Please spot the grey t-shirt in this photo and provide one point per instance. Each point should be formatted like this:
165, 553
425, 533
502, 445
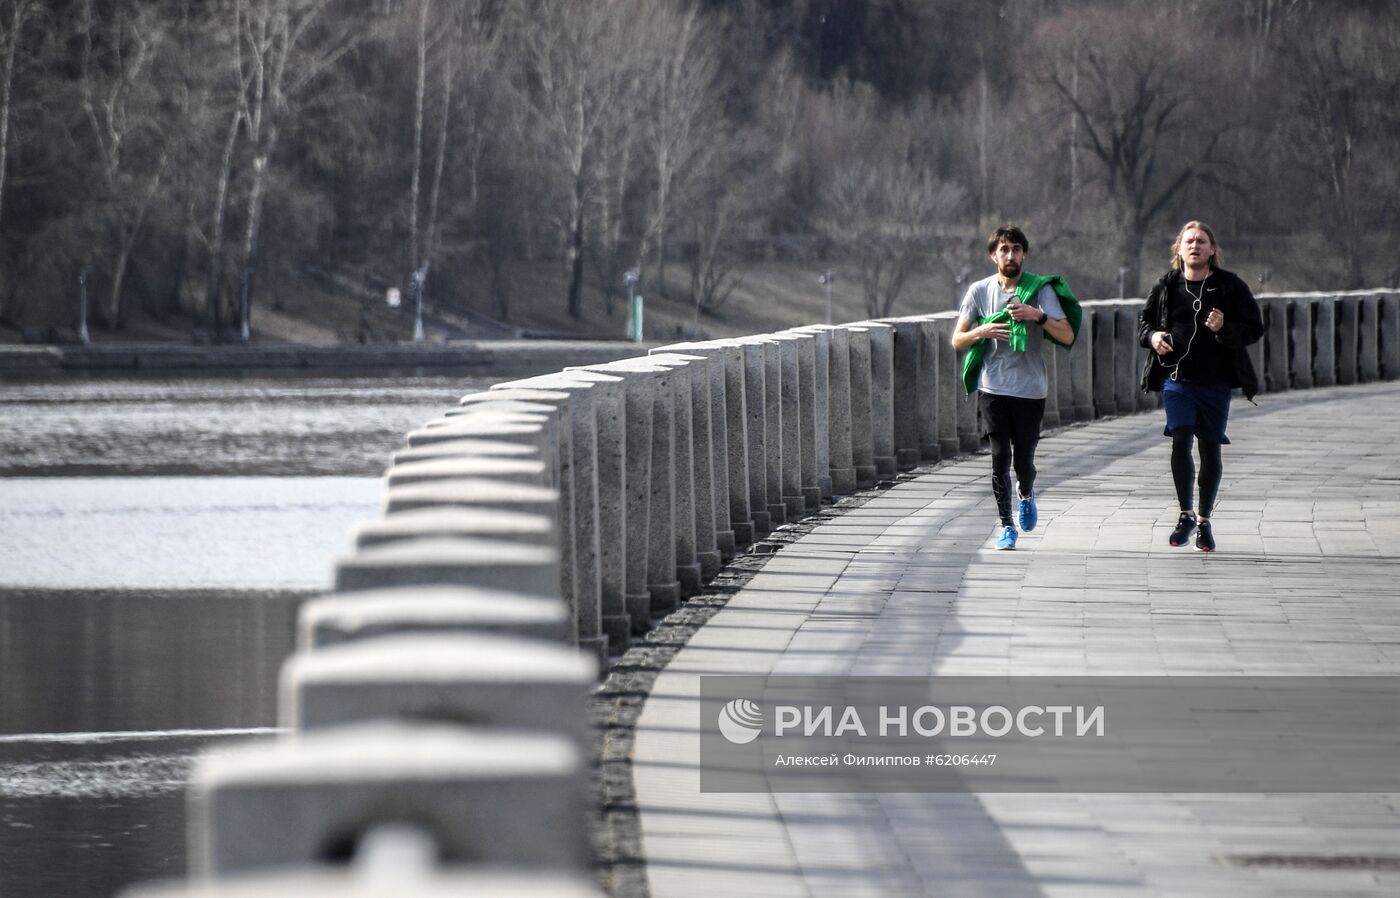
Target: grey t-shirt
1005, 371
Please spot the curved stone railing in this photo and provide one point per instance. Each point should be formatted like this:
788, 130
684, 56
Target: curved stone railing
436, 703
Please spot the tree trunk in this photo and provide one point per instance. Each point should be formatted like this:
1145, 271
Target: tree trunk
419, 98
216, 242
11, 48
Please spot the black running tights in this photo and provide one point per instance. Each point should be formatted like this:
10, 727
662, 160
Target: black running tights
1184, 471
1003, 458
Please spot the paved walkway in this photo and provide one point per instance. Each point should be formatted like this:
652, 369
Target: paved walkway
908, 584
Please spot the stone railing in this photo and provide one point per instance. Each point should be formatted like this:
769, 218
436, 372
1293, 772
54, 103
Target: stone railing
436, 705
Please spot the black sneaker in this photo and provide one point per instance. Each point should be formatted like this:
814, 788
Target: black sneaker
1205, 542
1184, 525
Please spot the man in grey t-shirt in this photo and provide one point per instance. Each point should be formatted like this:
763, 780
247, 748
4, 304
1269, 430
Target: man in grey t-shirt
1011, 385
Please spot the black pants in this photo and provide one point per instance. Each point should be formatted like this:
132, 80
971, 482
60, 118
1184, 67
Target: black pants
1012, 425
1184, 470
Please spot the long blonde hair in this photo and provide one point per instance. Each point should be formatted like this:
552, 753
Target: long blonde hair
1217, 254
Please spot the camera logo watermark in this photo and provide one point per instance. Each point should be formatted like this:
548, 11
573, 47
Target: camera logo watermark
741, 721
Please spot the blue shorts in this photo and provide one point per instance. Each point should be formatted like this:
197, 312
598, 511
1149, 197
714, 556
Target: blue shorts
1205, 407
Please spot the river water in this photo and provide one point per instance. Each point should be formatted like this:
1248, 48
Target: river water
156, 538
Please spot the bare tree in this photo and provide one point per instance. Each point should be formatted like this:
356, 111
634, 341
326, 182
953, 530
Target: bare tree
682, 111
1120, 75
1341, 127
287, 45
118, 100
13, 15
573, 55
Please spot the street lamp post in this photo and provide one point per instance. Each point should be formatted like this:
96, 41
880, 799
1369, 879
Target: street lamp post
418, 306
83, 308
634, 305
826, 279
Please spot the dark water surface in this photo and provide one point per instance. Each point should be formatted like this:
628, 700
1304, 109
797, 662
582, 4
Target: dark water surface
156, 538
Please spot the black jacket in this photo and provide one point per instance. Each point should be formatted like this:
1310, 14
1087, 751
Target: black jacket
1243, 326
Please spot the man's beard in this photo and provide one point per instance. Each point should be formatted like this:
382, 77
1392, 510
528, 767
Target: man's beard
1009, 270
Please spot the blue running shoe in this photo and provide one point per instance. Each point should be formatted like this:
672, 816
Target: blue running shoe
1007, 540
1029, 515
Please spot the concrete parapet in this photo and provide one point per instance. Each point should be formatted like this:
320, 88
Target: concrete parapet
509, 521
711, 513
487, 563
1081, 371
862, 424
1105, 350
353, 616
491, 798
468, 679
928, 405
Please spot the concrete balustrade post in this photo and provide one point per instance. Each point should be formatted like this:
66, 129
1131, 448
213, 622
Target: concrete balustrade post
477, 448
790, 397
1081, 370
511, 470
506, 514
736, 442
685, 497
1348, 322
609, 403
1368, 361
354, 616
756, 433
928, 404
717, 441
882, 397
413, 880
495, 798
948, 383
773, 428
1051, 417
469, 679
1275, 344
821, 405
1324, 340
1064, 380
1389, 314
838, 411
641, 378
485, 563
862, 427
808, 417
905, 398
579, 493
1300, 342
1128, 356
1105, 358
